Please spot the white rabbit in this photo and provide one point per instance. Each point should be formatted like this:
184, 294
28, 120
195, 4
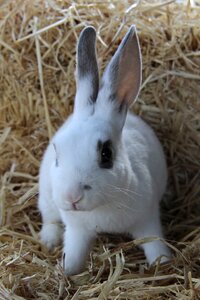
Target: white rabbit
104, 170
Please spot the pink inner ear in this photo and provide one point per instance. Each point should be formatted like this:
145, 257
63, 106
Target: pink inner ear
129, 72
125, 91
128, 83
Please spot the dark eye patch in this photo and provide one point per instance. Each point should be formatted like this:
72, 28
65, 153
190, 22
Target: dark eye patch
87, 187
105, 154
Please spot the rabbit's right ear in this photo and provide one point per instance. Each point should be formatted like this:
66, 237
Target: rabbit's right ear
87, 75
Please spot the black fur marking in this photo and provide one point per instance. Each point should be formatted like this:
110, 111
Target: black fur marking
87, 187
120, 107
105, 154
123, 108
112, 97
87, 62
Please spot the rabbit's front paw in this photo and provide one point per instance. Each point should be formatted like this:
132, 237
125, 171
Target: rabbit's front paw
72, 266
51, 235
155, 250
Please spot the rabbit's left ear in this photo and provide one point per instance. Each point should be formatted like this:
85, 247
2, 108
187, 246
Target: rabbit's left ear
122, 76
121, 81
87, 76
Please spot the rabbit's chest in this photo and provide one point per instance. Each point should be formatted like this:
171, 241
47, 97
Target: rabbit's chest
104, 220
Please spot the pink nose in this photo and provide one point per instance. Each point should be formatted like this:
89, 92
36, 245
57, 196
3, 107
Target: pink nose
75, 196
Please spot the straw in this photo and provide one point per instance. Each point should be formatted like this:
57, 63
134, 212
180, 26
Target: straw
37, 87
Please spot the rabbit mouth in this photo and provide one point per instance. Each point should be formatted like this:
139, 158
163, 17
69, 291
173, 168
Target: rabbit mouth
74, 206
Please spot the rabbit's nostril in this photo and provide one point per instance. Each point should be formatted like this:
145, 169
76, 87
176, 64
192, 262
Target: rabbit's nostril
74, 201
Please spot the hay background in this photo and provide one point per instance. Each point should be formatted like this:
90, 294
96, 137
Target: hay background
34, 104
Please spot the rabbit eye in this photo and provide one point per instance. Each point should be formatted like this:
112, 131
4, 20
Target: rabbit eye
105, 154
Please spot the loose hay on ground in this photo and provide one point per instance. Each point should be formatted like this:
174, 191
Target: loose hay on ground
37, 59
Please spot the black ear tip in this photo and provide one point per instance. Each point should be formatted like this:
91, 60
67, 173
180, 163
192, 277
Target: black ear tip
133, 28
88, 31
132, 31
87, 37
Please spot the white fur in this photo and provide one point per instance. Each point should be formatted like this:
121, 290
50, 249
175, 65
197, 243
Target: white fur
123, 199
81, 108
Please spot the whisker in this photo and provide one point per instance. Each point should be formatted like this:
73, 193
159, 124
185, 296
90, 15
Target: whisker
118, 204
124, 190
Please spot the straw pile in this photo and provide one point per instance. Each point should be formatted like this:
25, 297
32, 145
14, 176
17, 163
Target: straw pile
37, 59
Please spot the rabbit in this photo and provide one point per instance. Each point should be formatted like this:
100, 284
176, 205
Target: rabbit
104, 170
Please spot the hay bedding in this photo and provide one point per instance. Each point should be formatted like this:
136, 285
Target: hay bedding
37, 52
